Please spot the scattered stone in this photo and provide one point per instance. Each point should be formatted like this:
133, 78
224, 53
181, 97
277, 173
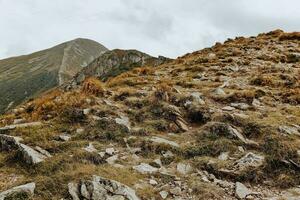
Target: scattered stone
64, 137
197, 97
90, 148
164, 141
176, 191
110, 151
101, 188
26, 191
183, 168
87, 111
153, 182
123, 121
223, 156
79, 130
19, 121
145, 168
24, 125
218, 92
250, 160
241, 191
228, 108
289, 130
163, 194
241, 106
30, 155
241, 149
111, 160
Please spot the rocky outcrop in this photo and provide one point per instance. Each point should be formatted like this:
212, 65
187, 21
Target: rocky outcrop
20, 192
100, 188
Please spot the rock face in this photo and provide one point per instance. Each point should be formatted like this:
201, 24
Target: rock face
27, 76
115, 62
100, 188
20, 192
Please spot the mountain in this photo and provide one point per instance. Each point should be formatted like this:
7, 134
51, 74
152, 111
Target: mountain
219, 123
115, 62
27, 76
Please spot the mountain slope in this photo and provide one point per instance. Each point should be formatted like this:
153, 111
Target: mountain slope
115, 62
26, 76
219, 123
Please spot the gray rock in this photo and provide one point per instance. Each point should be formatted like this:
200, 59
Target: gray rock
223, 156
145, 168
218, 92
197, 97
64, 137
111, 160
123, 121
90, 148
289, 130
176, 191
27, 189
228, 108
250, 160
241, 106
8, 142
24, 125
30, 155
163, 194
73, 191
110, 151
159, 140
19, 121
241, 191
183, 168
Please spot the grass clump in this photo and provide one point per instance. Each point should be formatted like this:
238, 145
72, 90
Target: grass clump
93, 86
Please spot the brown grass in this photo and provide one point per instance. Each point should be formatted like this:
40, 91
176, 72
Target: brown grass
93, 86
290, 36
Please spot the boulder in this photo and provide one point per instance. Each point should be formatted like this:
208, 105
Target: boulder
159, 140
100, 188
30, 156
241, 191
24, 125
184, 168
8, 142
249, 160
20, 192
123, 121
145, 168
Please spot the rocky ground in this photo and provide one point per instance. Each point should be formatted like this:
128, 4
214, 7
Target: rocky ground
220, 123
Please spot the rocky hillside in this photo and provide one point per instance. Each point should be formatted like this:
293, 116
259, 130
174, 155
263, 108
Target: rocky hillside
27, 76
115, 62
219, 123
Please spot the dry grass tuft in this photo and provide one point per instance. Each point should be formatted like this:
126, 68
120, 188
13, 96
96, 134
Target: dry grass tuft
290, 36
93, 86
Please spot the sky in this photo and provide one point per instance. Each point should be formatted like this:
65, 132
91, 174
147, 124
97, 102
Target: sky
158, 27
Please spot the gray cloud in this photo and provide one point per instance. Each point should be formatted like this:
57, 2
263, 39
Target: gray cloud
158, 27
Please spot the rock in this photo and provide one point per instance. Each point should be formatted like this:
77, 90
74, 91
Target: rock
218, 92
174, 114
197, 97
43, 151
110, 151
256, 103
24, 125
289, 130
250, 160
8, 142
223, 156
79, 130
73, 191
176, 191
111, 160
241, 149
241, 106
159, 140
26, 191
182, 124
163, 194
159, 163
153, 182
241, 191
64, 137
145, 168
101, 188
30, 155
90, 148
183, 168
228, 108
87, 111
123, 121
19, 121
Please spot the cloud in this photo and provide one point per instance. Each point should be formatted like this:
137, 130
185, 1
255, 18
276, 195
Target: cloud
157, 27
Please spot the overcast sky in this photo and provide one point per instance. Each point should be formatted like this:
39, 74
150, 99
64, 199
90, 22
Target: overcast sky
158, 27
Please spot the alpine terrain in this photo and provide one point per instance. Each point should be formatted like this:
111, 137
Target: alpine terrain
221, 123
